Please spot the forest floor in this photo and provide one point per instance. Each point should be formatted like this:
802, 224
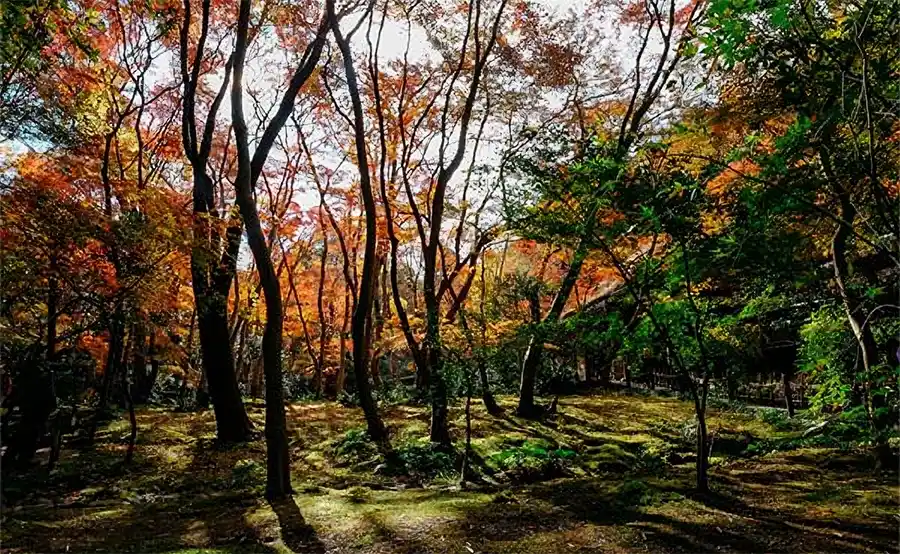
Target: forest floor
183, 494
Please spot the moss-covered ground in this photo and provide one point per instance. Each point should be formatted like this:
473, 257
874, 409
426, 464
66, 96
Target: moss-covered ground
627, 486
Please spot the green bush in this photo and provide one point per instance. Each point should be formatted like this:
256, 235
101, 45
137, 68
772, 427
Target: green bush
654, 455
533, 461
359, 495
354, 447
687, 432
827, 355
636, 493
425, 460
776, 418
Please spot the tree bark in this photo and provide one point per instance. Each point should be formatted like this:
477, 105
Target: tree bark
702, 451
278, 476
232, 423
867, 348
358, 327
213, 265
532, 361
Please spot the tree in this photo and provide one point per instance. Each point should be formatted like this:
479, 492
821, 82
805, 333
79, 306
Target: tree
214, 253
841, 146
676, 33
278, 478
360, 329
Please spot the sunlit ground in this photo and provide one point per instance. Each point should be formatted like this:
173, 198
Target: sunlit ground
183, 494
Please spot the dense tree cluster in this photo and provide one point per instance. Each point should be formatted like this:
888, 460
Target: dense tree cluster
205, 201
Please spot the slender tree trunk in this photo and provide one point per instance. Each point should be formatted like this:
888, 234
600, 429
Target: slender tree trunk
56, 432
113, 360
278, 476
342, 364
440, 433
702, 451
467, 453
323, 324
361, 316
132, 437
867, 347
532, 360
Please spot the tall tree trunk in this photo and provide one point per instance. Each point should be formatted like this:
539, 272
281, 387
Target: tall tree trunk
278, 475
342, 364
702, 451
359, 324
323, 324
467, 453
378, 318
56, 431
440, 432
232, 423
213, 265
132, 418
113, 363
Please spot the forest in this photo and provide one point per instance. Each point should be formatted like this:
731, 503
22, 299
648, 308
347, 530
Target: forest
434, 276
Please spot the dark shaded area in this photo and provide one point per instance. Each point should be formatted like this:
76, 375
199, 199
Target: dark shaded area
297, 535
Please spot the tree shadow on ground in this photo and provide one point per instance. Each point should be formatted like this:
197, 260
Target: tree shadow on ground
667, 516
296, 533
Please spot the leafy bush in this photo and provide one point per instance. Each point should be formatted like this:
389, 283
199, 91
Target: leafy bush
532, 461
299, 387
636, 493
776, 418
687, 432
846, 431
827, 355
390, 394
354, 446
725, 405
358, 495
424, 460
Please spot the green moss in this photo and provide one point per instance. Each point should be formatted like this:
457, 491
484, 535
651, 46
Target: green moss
624, 486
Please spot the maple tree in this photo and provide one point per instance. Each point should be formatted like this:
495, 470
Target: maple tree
442, 200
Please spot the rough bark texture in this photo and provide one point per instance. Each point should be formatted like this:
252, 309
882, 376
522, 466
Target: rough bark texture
702, 451
232, 423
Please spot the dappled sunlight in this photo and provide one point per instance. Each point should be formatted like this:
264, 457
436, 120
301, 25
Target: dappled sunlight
186, 492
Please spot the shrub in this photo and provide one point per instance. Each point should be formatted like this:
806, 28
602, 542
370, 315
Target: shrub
354, 446
687, 432
425, 460
358, 495
532, 462
775, 417
638, 493
654, 455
